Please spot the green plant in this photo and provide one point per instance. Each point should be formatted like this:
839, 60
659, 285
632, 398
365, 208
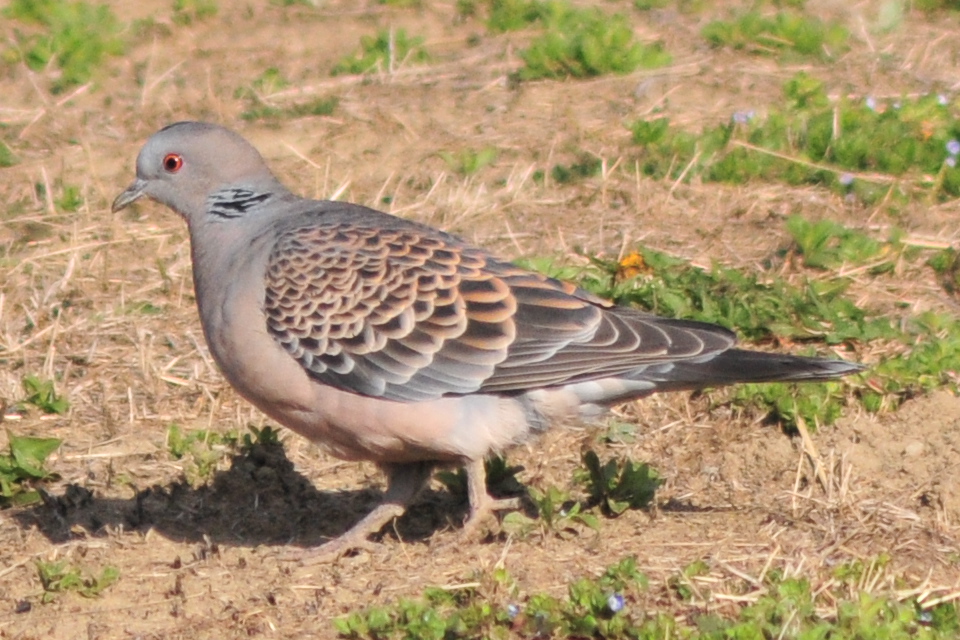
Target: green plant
586, 166
266, 437
682, 583
190, 11
813, 140
76, 36
58, 577
383, 52
43, 395
469, 161
616, 606
829, 245
7, 157
946, 263
511, 15
618, 485
594, 607
23, 465
272, 81
785, 31
203, 450
583, 42
501, 479
559, 515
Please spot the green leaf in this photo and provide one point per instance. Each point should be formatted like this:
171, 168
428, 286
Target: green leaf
31, 453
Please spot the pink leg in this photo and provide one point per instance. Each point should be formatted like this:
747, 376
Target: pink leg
404, 482
482, 505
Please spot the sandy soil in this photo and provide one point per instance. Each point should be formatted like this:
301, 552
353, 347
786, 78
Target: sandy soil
104, 304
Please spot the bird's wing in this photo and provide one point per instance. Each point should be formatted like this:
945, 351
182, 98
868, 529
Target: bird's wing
407, 314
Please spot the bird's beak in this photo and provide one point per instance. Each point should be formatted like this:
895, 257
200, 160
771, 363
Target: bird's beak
132, 193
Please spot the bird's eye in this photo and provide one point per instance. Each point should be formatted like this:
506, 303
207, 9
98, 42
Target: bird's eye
172, 162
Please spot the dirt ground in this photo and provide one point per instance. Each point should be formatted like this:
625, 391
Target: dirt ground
103, 303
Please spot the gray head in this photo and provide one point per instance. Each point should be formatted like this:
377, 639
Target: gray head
183, 164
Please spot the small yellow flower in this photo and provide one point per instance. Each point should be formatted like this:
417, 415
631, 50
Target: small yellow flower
630, 266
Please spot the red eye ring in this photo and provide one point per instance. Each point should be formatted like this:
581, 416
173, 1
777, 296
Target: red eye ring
172, 162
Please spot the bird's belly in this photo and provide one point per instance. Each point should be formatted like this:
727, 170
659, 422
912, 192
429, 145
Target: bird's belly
356, 427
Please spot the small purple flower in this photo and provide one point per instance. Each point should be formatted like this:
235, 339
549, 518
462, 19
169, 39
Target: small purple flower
846, 179
512, 611
953, 147
871, 103
743, 117
942, 100
615, 602
951, 161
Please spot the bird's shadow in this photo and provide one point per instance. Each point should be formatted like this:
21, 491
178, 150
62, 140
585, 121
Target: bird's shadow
260, 500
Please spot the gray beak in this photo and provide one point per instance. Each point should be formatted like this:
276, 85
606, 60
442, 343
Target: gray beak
130, 194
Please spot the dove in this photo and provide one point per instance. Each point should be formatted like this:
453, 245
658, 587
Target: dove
382, 339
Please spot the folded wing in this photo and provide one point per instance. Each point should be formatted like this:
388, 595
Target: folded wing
409, 315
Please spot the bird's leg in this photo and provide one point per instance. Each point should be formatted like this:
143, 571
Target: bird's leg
404, 482
482, 504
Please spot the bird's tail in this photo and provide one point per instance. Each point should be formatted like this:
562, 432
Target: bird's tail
727, 367
740, 365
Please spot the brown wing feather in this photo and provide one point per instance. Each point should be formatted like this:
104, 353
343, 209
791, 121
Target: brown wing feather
405, 315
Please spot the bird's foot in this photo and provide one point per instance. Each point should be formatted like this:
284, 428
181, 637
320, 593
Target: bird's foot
355, 539
328, 552
483, 519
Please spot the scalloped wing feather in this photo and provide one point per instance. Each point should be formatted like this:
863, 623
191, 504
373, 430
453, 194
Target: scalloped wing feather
407, 315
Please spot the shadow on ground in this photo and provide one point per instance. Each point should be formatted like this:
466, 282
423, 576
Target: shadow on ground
260, 500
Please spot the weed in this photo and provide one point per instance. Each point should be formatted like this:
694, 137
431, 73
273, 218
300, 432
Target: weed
202, 450
576, 42
618, 485
43, 395
511, 15
618, 432
614, 606
758, 308
7, 157
318, 107
597, 607
189, 11
783, 32
272, 81
469, 161
23, 465
501, 479
583, 42
946, 264
58, 577
76, 36
559, 515
69, 200
266, 437
586, 166
814, 141
830, 245
682, 584
936, 5
384, 52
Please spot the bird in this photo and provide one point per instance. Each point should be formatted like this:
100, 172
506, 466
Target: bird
387, 340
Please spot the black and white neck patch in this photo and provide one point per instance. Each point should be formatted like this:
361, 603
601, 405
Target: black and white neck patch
233, 203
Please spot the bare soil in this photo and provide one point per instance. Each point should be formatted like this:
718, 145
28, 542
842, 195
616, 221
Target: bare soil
103, 303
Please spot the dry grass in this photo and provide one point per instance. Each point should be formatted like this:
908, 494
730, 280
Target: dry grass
200, 561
